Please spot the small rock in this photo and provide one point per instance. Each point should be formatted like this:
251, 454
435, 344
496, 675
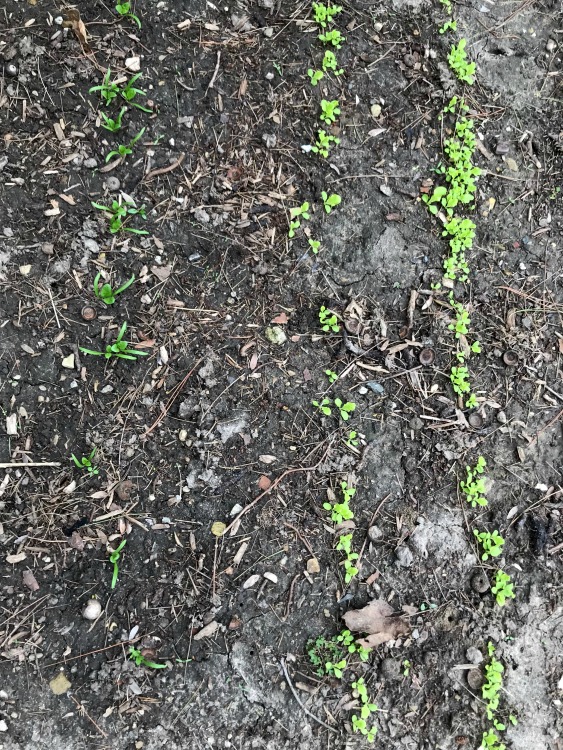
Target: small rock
207, 631
475, 679
375, 533
502, 148
416, 424
511, 164
276, 335
480, 582
124, 490
30, 580
3, 726
133, 64
236, 509
375, 110
90, 163
270, 139
474, 656
252, 581
12, 425
183, 436
375, 387
386, 190
59, 684
68, 362
92, 610
404, 557
271, 576
113, 184
551, 44
47, 248
268, 31
25, 270
201, 215
390, 669
501, 417
107, 389
313, 566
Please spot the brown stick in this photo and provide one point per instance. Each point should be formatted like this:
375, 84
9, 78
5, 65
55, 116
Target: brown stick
164, 170
171, 400
23, 464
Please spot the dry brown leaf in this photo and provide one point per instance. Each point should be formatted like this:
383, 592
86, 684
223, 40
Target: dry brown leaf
30, 581
377, 620
281, 318
76, 541
253, 361
77, 25
161, 272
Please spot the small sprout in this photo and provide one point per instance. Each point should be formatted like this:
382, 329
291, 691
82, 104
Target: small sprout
314, 245
448, 25
124, 10
330, 201
406, 667
119, 349
345, 409
86, 462
458, 62
324, 142
492, 543
108, 91
331, 375
324, 14
323, 406
473, 486
503, 588
476, 347
124, 150
329, 110
330, 63
118, 213
137, 656
114, 559
296, 214
333, 37
129, 92
359, 723
336, 669
491, 741
315, 76
342, 511
447, 5
106, 293
352, 440
110, 124
328, 320
492, 686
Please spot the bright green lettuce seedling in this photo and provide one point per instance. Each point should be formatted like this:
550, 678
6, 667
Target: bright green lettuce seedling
86, 462
136, 656
330, 201
124, 10
323, 406
324, 142
329, 110
118, 213
459, 377
503, 588
324, 14
342, 511
359, 723
493, 683
328, 320
491, 741
315, 76
462, 321
447, 5
352, 439
492, 543
457, 59
330, 63
114, 559
124, 150
473, 486
296, 214
331, 375
110, 124
108, 90
106, 293
119, 349
345, 408
333, 37
314, 245
447, 26
345, 545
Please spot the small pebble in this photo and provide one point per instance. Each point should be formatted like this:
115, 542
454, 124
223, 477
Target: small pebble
313, 566
501, 417
252, 581
502, 148
550, 45
475, 679
92, 610
474, 656
90, 163
404, 557
112, 183
183, 436
271, 576
3, 726
375, 533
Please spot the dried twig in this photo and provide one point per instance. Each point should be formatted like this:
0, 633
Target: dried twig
164, 170
171, 400
298, 699
27, 464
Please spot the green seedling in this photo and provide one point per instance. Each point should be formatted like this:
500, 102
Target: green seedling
324, 142
462, 321
333, 37
345, 545
136, 656
493, 684
328, 654
323, 406
114, 557
406, 667
330, 201
476, 347
324, 14
329, 110
503, 588
352, 439
108, 90
330, 63
124, 10
447, 26
86, 462
124, 150
129, 92
491, 741
336, 669
434, 200
315, 245
473, 486
342, 511
119, 212
328, 320
447, 5
471, 402
350, 570
345, 408
331, 375
119, 349
346, 639
106, 293
492, 543
296, 214
359, 723
458, 62
110, 124
459, 377
315, 76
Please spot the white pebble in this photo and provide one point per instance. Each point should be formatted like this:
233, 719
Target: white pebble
271, 576
250, 582
92, 610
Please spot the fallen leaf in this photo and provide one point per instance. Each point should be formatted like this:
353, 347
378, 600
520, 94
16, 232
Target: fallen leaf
59, 684
13, 559
376, 131
30, 581
207, 631
264, 483
76, 541
377, 620
267, 459
253, 361
161, 272
281, 318
75, 23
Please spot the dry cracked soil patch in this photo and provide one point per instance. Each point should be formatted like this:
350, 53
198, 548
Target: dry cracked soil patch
211, 463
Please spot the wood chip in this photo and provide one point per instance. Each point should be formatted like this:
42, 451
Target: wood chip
207, 631
30, 581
